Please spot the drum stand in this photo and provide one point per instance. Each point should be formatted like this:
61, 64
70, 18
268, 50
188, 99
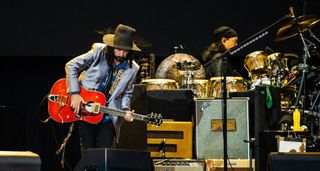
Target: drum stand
187, 79
304, 66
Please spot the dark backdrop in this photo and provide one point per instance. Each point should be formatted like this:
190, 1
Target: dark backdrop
66, 28
39, 37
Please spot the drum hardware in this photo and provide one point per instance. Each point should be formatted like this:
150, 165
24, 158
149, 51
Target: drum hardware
187, 79
315, 101
180, 65
185, 65
296, 27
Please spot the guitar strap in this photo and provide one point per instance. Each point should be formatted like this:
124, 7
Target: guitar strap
107, 86
114, 76
116, 81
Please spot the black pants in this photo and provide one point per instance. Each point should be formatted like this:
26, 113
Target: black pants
96, 136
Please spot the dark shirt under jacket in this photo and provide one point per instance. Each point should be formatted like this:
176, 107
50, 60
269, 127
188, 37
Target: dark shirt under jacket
214, 68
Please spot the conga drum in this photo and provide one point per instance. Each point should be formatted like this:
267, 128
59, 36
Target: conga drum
234, 84
160, 84
200, 88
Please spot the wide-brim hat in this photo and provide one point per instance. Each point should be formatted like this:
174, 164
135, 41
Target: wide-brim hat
123, 38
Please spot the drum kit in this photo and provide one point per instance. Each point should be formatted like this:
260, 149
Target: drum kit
266, 69
183, 71
286, 71
298, 83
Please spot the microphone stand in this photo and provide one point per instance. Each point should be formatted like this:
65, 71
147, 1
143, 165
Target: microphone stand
224, 113
306, 55
232, 51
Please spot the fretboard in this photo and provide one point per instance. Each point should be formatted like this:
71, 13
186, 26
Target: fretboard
117, 112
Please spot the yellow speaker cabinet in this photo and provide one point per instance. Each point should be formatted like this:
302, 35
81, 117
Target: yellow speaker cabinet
171, 140
233, 164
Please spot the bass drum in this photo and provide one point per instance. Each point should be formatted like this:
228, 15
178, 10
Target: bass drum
234, 84
160, 84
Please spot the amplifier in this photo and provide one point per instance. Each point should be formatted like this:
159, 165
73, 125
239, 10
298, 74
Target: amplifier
233, 164
293, 161
208, 128
175, 137
178, 165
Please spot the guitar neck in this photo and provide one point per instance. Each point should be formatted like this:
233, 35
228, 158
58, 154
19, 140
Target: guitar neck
117, 112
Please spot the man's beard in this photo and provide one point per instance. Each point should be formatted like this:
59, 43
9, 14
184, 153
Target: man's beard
119, 59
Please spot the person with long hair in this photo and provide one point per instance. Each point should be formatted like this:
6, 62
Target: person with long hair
224, 38
108, 67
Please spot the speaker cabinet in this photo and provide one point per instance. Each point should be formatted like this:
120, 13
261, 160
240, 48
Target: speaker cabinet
104, 159
19, 161
265, 119
172, 104
293, 161
133, 134
208, 128
177, 137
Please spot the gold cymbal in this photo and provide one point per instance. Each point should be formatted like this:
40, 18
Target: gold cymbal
291, 29
291, 55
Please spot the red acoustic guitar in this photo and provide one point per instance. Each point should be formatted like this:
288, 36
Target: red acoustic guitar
92, 112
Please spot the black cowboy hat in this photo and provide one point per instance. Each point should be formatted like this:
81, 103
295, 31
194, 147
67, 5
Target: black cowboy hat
122, 38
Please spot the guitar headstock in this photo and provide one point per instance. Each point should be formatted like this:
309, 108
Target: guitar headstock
154, 119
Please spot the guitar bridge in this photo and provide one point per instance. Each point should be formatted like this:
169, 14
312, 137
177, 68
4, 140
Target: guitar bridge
96, 108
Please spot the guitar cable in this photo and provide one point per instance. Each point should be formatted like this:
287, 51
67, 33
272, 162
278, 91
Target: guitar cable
38, 111
63, 161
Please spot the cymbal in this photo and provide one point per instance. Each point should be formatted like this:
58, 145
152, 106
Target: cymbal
168, 69
291, 29
140, 41
291, 55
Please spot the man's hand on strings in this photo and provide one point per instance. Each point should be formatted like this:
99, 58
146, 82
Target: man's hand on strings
76, 101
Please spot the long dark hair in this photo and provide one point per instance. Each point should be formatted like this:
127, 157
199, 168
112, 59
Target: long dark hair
216, 47
109, 51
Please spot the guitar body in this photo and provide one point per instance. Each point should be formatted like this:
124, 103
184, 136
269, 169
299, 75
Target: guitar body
60, 110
